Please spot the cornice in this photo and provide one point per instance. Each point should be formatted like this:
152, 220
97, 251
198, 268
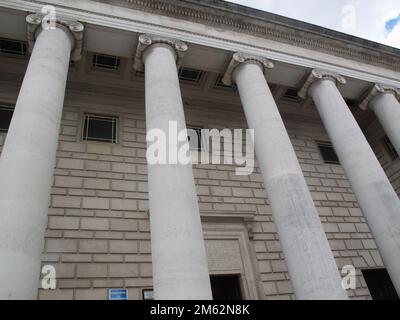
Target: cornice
103, 15
223, 18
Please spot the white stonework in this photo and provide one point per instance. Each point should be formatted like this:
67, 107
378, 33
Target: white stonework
178, 253
27, 162
104, 219
375, 194
303, 239
384, 101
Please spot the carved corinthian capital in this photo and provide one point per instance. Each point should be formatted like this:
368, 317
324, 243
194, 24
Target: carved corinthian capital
74, 28
239, 58
317, 75
146, 40
377, 90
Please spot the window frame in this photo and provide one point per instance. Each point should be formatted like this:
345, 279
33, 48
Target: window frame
197, 81
326, 144
201, 146
23, 53
114, 139
98, 67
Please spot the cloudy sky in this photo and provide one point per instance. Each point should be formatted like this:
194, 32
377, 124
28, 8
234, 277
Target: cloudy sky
376, 20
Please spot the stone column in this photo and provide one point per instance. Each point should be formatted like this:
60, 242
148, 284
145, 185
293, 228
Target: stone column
180, 268
384, 101
312, 267
376, 196
28, 157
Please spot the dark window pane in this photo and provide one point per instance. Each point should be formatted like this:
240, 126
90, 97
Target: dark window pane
6, 114
380, 285
190, 75
106, 61
226, 287
98, 128
14, 47
291, 95
328, 153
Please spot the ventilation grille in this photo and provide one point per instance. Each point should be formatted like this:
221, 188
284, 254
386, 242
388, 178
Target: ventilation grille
106, 62
12, 47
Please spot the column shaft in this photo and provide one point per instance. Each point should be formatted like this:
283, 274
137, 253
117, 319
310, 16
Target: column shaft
27, 163
387, 109
375, 194
180, 269
312, 268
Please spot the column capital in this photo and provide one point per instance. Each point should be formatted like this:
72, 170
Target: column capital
239, 58
376, 91
74, 29
316, 75
147, 40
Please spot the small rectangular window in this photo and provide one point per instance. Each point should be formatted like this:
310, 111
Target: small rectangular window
328, 153
190, 75
6, 114
194, 138
100, 128
104, 61
390, 148
148, 294
379, 284
291, 95
12, 47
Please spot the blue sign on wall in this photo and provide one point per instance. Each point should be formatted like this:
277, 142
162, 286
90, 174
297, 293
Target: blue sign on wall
117, 294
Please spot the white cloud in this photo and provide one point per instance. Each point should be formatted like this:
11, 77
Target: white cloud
393, 38
370, 16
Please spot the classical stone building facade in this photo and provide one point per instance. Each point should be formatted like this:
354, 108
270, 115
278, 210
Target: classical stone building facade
77, 95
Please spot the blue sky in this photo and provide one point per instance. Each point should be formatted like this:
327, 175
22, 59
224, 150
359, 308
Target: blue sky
376, 20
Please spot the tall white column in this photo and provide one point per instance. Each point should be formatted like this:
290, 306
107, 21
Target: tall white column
384, 101
376, 196
28, 159
180, 268
312, 267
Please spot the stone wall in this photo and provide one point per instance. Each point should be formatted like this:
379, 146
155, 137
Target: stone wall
98, 230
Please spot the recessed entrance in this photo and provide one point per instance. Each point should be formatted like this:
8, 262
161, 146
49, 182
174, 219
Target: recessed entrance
380, 285
226, 287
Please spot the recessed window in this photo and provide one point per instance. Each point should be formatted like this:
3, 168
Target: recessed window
12, 47
226, 287
380, 285
190, 75
328, 153
6, 114
291, 95
194, 138
107, 62
220, 85
147, 294
390, 149
100, 128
